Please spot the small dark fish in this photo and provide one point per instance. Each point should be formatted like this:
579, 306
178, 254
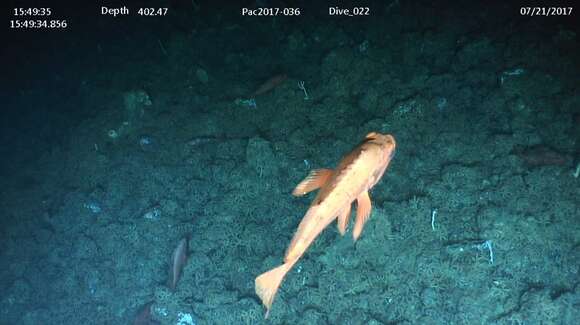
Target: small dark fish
576, 119
178, 259
270, 84
200, 140
144, 316
540, 155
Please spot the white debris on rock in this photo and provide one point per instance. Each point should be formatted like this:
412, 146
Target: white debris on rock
185, 319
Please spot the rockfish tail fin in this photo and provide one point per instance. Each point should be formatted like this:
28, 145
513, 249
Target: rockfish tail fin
267, 284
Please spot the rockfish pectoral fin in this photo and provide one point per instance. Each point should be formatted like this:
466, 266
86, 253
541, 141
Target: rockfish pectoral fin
363, 211
316, 179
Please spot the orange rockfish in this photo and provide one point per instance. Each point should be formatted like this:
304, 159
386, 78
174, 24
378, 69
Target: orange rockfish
355, 175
